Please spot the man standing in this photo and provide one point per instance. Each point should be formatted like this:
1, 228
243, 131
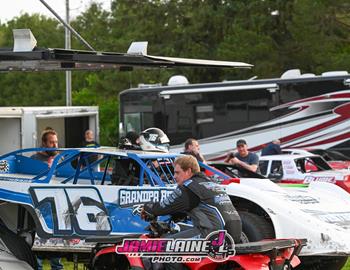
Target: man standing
192, 148
48, 140
243, 157
90, 142
205, 202
273, 148
90, 139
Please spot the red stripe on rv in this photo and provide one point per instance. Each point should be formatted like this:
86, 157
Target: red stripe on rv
330, 140
344, 114
323, 97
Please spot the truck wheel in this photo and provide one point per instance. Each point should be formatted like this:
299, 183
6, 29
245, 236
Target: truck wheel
18, 246
322, 263
255, 228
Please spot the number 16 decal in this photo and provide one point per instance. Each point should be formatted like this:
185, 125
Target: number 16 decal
71, 210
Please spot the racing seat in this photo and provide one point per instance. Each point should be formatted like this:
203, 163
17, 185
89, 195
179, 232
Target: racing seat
125, 173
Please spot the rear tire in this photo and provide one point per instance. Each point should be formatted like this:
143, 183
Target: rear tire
255, 228
18, 246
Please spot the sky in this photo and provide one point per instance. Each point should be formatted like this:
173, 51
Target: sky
14, 8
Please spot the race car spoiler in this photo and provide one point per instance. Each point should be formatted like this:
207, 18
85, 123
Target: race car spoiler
26, 56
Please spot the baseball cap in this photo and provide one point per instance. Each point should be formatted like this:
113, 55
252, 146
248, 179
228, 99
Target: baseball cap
241, 142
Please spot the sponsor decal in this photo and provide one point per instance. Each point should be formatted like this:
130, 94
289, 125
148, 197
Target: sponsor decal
287, 162
218, 246
130, 197
302, 199
4, 166
340, 218
328, 179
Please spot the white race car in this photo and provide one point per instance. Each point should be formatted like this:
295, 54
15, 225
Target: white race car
318, 211
302, 169
334, 158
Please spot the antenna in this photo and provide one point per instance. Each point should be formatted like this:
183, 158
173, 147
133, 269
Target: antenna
68, 26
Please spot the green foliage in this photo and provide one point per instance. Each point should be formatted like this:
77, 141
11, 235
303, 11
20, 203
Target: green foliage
311, 35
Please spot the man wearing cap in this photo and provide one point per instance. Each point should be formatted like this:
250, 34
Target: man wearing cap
243, 157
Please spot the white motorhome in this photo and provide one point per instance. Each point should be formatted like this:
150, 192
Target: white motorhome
21, 127
301, 110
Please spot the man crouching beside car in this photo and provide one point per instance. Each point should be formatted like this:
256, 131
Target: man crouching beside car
205, 202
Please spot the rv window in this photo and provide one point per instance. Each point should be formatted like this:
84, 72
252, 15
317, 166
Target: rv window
132, 122
205, 113
258, 110
147, 120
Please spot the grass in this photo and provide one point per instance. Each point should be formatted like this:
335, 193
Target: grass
67, 265
347, 265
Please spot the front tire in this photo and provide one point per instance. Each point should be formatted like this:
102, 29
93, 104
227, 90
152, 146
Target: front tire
255, 228
18, 246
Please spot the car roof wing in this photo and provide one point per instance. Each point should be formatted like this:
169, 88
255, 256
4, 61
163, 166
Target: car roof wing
26, 56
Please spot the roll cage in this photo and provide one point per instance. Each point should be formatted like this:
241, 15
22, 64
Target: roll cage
95, 166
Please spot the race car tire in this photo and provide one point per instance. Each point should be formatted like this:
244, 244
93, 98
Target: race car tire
255, 228
18, 246
322, 263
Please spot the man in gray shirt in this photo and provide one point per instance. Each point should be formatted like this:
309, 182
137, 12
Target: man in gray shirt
243, 157
48, 140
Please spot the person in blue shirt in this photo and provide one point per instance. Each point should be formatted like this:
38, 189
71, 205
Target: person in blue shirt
273, 148
243, 157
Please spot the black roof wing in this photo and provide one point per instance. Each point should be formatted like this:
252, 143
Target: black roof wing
32, 58
61, 59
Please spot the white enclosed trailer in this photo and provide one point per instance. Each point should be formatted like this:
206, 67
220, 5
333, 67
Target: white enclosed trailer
21, 127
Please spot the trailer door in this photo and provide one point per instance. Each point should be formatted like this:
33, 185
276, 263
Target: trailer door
75, 128
10, 134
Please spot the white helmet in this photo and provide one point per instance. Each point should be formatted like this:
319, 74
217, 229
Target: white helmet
154, 139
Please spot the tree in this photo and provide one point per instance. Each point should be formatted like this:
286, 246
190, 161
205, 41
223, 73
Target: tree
21, 89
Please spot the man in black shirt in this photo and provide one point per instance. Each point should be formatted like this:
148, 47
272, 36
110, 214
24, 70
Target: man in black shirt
192, 148
90, 142
89, 139
205, 202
